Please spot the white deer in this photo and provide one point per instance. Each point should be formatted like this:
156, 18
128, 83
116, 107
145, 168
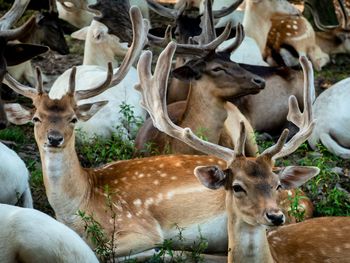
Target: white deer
30, 236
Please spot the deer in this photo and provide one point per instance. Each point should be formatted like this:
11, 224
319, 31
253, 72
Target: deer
45, 31
295, 32
105, 122
29, 235
148, 194
80, 14
251, 186
214, 80
331, 110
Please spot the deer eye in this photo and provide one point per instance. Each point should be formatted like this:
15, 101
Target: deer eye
238, 189
36, 119
217, 69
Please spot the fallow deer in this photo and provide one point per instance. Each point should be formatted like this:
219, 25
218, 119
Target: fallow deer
105, 122
214, 80
331, 109
149, 195
12, 53
251, 186
295, 32
30, 236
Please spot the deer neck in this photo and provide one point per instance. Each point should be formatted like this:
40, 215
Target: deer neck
247, 243
98, 58
204, 114
257, 25
66, 182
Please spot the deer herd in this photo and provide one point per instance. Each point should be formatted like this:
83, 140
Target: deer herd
229, 68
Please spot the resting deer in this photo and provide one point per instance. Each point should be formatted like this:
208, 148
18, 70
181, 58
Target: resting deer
149, 195
214, 80
251, 187
30, 236
105, 122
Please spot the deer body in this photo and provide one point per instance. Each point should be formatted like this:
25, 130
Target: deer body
14, 178
331, 109
31, 236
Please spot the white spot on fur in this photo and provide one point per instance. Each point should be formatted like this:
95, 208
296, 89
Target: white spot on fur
295, 27
156, 182
128, 215
173, 177
289, 26
170, 195
288, 34
161, 165
137, 202
141, 175
115, 181
163, 175
148, 202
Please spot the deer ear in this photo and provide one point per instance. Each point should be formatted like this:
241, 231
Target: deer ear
186, 73
294, 176
18, 114
86, 111
81, 33
211, 177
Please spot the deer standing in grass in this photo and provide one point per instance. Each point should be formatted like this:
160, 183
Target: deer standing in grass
251, 186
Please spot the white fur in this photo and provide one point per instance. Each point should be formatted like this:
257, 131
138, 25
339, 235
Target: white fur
97, 39
331, 110
104, 122
14, 178
31, 236
81, 18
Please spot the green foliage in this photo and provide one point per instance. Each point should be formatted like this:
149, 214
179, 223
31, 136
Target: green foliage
13, 133
129, 121
297, 211
36, 178
201, 133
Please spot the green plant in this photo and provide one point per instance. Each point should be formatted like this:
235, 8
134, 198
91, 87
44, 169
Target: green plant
128, 120
201, 133
297, 211
13, 133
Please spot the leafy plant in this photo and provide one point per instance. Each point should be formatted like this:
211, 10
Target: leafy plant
297, 211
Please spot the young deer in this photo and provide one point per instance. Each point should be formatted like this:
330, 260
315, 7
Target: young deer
251, 186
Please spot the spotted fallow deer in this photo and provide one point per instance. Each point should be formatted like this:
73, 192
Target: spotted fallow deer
149, 195
251, 185
297, 33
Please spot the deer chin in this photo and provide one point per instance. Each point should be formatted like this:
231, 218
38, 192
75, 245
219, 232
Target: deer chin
251, 91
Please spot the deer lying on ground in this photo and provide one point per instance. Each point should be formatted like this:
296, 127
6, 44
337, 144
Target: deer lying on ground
79, 14
100, 46
105, 122
45, 31
214, 81
149, 195
251, 186
331, 109
29, 236
14, 177
295, 32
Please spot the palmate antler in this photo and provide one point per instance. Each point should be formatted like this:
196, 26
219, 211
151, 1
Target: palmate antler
140, 29
153, 89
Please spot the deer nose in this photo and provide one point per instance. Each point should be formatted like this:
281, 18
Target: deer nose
260, 82
55, 139
275, 217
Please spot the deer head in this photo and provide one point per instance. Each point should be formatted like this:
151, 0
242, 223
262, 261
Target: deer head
54, 119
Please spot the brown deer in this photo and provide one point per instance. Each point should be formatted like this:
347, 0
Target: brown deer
149, 195
251, 186
214, 80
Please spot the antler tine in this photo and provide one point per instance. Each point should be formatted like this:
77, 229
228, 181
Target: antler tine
317, 21
228, 10
207, 24
202, 50
12, 34
238, 40
153, 90
162, 10
161, 41
16, 11
304, 121
26, 91
85, 94
39, 81
344, 15
240, 144
52, 6
71, 85
139, 29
